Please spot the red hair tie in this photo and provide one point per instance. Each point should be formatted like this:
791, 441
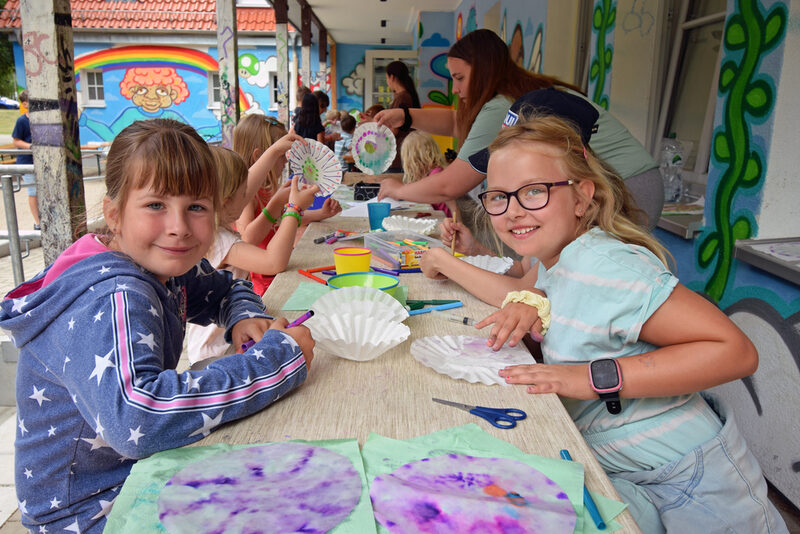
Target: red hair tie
584, 153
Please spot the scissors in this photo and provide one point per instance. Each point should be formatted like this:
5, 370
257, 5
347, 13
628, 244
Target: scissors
499, 417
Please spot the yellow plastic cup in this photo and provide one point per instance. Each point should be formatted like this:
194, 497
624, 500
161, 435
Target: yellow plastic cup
352, 259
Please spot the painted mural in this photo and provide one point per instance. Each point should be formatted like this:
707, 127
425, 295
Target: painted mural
765, 307
603, 18
522, 28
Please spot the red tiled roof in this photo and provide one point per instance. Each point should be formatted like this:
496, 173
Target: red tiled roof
150, 15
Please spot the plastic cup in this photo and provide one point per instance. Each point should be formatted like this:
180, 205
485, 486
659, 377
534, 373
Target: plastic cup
351, 259
378, 211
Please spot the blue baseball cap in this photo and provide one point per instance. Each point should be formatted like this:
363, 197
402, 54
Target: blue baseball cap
577, 111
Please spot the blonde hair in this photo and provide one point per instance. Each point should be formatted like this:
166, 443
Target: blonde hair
420, 155
231, 171
258, 132
331, 115
611, 208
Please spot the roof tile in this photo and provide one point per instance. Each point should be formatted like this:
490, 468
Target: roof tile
146, 14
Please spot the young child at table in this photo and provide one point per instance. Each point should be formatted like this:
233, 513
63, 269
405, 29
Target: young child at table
422, 157
100, 333
254, 135
229, 252
618, 316
344, 143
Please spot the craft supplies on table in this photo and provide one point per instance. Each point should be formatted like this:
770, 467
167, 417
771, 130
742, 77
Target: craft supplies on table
401, 249
497, 417
351, 259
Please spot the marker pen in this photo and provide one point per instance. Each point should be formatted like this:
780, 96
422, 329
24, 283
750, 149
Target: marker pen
300, 320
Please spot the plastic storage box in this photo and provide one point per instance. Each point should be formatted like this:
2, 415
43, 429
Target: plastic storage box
400, 249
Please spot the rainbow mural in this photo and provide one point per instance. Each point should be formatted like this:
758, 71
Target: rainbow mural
126, 57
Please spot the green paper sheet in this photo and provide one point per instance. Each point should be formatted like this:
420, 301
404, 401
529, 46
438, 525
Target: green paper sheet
136, 508
307, 294
383, 455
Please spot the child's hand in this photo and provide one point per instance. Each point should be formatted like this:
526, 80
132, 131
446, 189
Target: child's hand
282, 145
389, 188
515, 320
465, 242
301, 336
249, 330
566, 380
430, 261
329, 208
305, 196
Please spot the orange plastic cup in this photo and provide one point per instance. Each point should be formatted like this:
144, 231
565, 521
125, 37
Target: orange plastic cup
352, 259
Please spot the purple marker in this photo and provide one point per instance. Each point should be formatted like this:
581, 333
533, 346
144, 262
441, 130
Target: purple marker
300, 320
384, 271
247, 345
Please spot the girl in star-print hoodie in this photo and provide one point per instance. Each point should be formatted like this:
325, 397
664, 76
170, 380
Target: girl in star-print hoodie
100, 332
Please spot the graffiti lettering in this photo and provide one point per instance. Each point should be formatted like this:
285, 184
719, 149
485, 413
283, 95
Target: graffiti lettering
31, 47
225, 47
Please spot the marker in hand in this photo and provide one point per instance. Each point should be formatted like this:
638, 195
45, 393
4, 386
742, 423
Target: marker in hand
300, 320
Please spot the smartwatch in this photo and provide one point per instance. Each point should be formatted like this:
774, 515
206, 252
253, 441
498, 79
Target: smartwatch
606, 379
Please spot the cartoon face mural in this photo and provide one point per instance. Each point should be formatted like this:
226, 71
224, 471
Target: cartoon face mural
153, 89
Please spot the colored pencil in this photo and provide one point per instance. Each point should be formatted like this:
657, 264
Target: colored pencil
308, 274
591, 507
320, 269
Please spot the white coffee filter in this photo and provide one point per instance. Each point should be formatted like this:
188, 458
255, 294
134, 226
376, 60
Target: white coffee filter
467, 357
399, 223
360, 301
495, 264
356, 337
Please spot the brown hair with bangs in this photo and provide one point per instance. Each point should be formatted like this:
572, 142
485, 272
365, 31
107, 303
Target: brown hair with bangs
166, 154
253, 135
493, 73
612, 207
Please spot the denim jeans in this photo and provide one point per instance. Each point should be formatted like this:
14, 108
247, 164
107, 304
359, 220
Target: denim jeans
717, 487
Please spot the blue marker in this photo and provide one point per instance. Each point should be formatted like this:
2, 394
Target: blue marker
587, 499
449, 306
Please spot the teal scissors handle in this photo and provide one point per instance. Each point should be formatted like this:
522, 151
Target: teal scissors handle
499, 417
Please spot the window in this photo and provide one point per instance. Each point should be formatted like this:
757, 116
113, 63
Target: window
690, 95
93, 94
214, 90
273, 80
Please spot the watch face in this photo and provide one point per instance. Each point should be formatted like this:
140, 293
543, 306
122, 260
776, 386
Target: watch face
604, 375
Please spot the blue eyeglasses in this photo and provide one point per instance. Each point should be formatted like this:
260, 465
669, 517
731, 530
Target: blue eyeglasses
532, 197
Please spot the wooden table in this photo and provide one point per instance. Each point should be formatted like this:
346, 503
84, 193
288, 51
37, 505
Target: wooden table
391, 395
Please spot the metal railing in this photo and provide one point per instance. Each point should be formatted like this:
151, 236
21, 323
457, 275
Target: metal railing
11, 186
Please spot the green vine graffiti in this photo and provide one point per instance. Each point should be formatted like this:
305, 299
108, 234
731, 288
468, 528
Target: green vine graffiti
605, 13
748, 93
438, 67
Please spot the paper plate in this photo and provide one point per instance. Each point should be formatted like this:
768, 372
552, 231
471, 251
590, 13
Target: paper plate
301, 487
363, 301
400, 223
493, 264
456, 493
374, 148
356, 337
317, 163
468, 358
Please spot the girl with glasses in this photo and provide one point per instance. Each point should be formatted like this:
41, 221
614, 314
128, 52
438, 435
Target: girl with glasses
628, 348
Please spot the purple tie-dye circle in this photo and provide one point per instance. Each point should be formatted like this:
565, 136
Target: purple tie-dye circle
455, 494
280, 487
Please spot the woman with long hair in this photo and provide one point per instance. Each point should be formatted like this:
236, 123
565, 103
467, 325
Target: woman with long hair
398, 78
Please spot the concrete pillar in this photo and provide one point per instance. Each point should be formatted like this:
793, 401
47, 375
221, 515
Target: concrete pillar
227, 50
282, 50
323, 62
305, 72
53, 108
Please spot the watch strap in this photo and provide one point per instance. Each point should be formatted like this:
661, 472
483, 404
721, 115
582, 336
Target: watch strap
406, 126
613, 404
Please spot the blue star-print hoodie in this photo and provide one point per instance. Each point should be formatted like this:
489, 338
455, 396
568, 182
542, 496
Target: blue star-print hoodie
99, 340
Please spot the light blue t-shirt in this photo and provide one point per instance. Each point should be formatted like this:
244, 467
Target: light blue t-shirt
602, 291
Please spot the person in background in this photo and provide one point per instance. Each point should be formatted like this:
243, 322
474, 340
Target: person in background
398, 78
422, 157
301, 92
237, 185
368, 115
100, 333
254, 135
21, 138
333, 128
344, 144
307, 123
626, 346
323, 101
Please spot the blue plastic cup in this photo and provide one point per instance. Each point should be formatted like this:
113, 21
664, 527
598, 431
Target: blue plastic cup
378, 211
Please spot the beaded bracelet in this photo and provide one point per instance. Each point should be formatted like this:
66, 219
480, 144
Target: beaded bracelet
293, 206
292, 214
269, 217
542, 304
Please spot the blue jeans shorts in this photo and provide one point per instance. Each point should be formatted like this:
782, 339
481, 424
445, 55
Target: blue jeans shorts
30, 179
717, 487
